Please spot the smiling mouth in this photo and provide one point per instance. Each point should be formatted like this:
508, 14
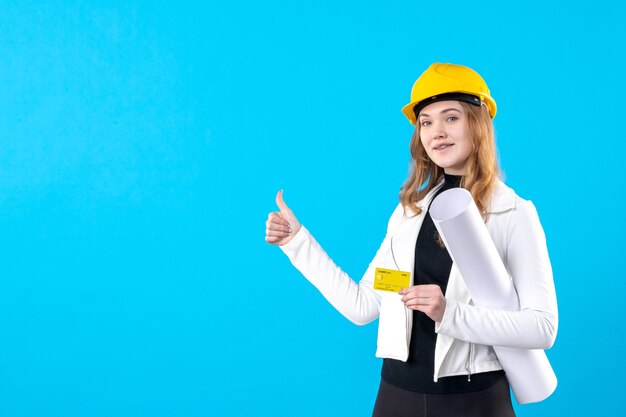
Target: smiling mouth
442, 147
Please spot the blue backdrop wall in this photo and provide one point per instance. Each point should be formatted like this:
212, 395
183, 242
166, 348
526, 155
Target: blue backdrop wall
142, 144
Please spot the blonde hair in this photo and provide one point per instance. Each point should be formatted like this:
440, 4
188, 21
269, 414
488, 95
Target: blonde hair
481, 169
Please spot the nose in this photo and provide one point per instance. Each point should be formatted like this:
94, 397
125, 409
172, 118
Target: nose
439, 130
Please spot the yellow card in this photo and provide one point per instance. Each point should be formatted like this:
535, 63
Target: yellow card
391, 280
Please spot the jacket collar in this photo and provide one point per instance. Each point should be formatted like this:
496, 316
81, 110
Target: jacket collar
405, 236
503, 198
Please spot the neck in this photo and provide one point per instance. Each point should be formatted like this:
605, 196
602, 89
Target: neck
452, 179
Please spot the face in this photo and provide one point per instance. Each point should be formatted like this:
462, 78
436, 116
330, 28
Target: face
444, 135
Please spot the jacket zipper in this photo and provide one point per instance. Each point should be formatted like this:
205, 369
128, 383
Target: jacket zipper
408, 330
470, 359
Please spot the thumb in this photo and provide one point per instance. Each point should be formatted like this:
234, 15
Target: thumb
287, 214
281, 203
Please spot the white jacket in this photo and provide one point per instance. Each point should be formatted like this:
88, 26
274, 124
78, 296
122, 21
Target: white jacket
466, 332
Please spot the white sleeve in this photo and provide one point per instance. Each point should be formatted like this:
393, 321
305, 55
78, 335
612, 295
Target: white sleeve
359, 303
534, 326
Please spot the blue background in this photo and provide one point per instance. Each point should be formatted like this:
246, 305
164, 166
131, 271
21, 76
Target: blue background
142, 144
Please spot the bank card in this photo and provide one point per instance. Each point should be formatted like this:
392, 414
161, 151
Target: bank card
391, 280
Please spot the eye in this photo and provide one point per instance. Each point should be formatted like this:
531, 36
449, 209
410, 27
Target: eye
453, 118
425, 123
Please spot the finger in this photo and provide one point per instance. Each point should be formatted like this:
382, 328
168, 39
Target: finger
278, 233
281, 203
423, 309
272, 239
414, 292
433, 289
275, 217
430, 288
411, 290
417, 295
277, 226
417, 302
422, 290
427, 309
420, 299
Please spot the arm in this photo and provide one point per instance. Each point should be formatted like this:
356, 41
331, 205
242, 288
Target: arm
534, 326
358, 302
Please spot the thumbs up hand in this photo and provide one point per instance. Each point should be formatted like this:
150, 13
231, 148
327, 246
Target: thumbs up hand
281, 226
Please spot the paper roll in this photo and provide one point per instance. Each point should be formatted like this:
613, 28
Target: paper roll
471, 248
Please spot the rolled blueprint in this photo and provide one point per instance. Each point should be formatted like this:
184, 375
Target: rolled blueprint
471, 248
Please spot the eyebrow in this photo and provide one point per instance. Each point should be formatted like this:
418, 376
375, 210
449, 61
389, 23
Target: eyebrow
443, 111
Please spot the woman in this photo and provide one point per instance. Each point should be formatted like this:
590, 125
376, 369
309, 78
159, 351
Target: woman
440, 359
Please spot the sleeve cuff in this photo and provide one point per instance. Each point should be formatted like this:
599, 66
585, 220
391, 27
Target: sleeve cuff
296, 243
448, 314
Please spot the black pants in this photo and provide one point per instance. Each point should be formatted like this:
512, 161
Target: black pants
397, 402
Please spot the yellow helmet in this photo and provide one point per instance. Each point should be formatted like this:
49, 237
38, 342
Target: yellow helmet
451, 82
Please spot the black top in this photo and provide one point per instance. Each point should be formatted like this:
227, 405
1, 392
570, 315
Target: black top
432, 266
